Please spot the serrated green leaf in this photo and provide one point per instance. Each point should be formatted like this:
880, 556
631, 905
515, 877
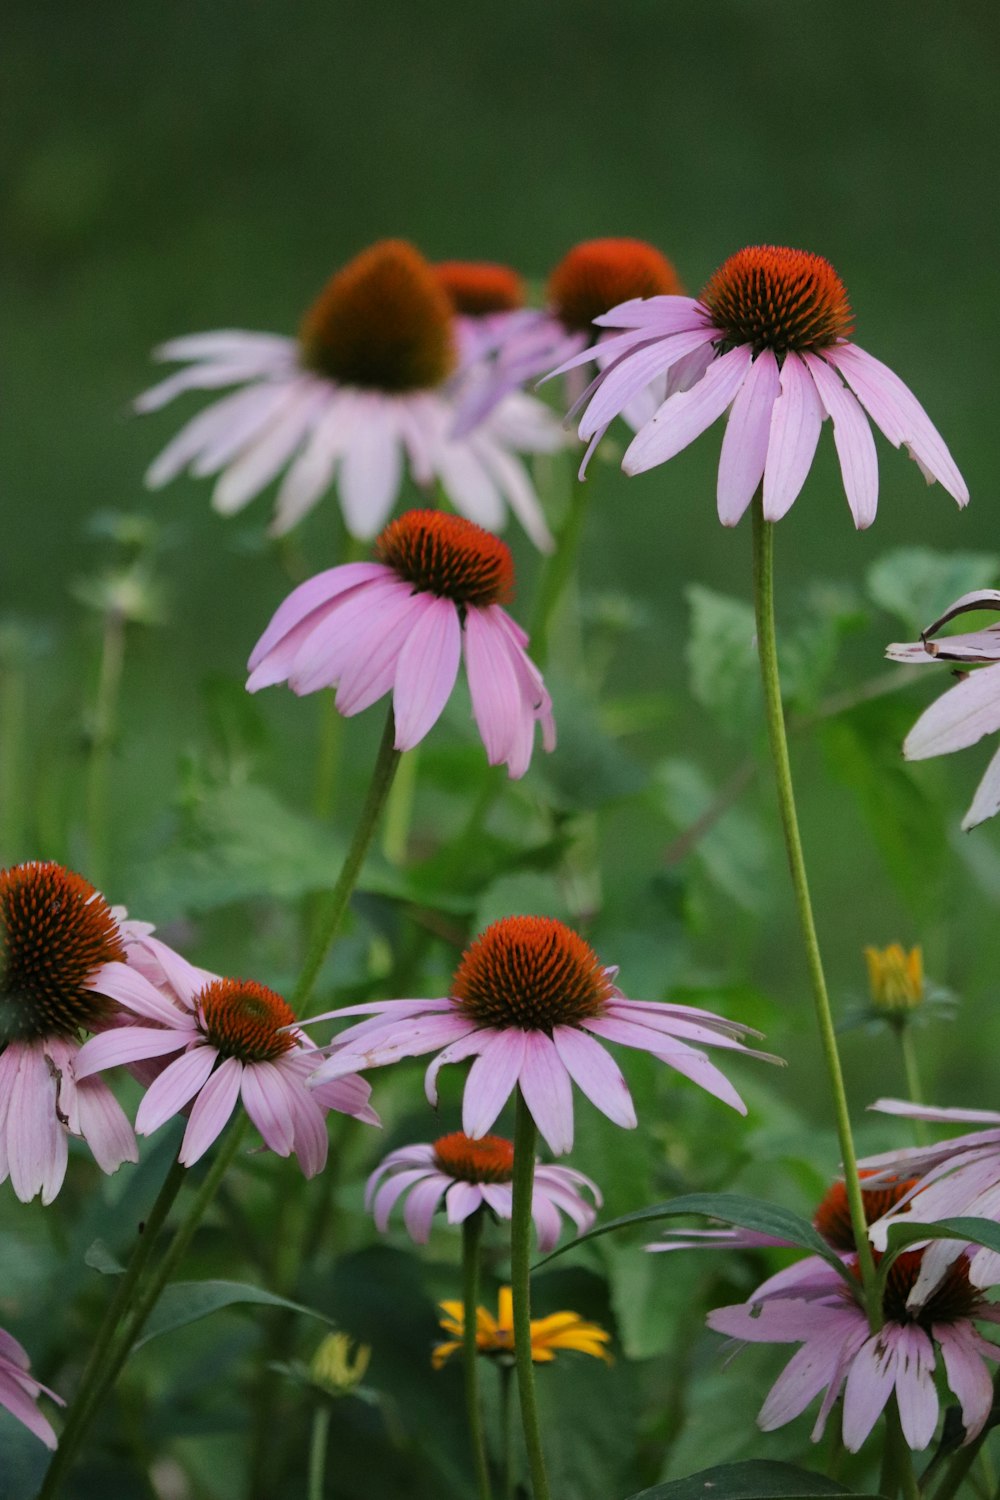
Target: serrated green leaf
722, 663
730, 1208
753, 1479
916, 584
186, 1302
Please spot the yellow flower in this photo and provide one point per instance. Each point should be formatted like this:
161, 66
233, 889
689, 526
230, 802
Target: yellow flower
338, 1367
896, 978
495, 1336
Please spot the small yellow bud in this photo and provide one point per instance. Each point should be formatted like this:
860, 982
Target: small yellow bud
335, 1369
895, 977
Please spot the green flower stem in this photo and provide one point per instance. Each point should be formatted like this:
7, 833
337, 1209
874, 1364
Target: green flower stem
336, 904
507, 1430
914, 1089
520, 1282
317, 1451
102, 734
399, 811
763, 578
557, 571
897, 1476
79, 1413
472, 1233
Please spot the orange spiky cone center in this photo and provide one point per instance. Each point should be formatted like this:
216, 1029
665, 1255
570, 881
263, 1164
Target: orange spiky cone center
56, 931
774, 298
246, 1020
833, 1216
597, 275
383, 323
476, 288
533, 973
446, 555
489, 1159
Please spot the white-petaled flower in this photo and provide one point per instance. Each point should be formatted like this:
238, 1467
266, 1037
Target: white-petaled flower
363, 393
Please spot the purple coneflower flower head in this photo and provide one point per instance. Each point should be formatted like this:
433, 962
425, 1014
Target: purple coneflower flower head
533, 1004
57, 935
236, 1040
840, 1353
363, 392
767, 339
968, 711
464, 1175
595, 276
19, 1392
402, 624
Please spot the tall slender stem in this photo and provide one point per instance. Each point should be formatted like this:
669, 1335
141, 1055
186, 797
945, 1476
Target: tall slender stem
336, 904
101, 739
763, 577
317, 1451
914, 1088
556, 574
507, 1430
520, 1282
472, 1233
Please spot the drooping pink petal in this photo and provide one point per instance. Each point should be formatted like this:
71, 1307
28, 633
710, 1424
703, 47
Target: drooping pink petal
426, 669
211, 1111
661, 315
916, 1395
469, 483
371, 469
392, 1190
312, 471
18, 1394
491, 1080
632, 372
348, 1095
462, 1200
372, 665
310, 596
684, 417
869, 1385
265, 1102
744, 445
963, 1351
347, 631
175, 1087
126, 985
231, 421
467, 1046
36, 1141
209, 377
894, 408
986, 803
493, 686
808, 1372
421, 1206
408, 1039
596, 1074
853, 440
545, 1084
513, 483
548, 1224
958, 718
311, 1143
262, 460
795, 427
128, 1044
104, 1126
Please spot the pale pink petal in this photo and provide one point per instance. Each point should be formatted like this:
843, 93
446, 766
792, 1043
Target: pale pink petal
373, 666
36, 1141
198, 378
265, 1102
104, 1126
514, 484
211, 1110
371, 469
310, 1140
426, 669
421, 1206
785, 1320
18, 1395
895, 409
128, 1044
310, 596
545, 1084
986, 803
469, 484
346, 633
958, 718
175, 1087
235, 418
684, 417
744, 445
463, 1199
869, 1384
916, 1395
500, 1197
939, 1115
962, 1350
409, 1039
664, 314
312, 471
348, 1096
258, 463
491, 1080
631, 372
853, 440
795, 427
126, 985
596, 1074
567, 1199
391, 1191
245, 425
406, 1156
548, 1224
467, 1046
274, 349
808, 1372
497, 703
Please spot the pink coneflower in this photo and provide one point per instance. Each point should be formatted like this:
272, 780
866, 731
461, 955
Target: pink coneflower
19, 1391
532, 1003
57, 934
362, 393
595, 276
771, 331
236, 1039
964, 714
487, 300
400, 625
464, 1175
839, 1352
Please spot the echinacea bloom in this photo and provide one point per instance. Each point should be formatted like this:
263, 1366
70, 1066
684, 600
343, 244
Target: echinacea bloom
487, 300
771, 331
495, 1335
57, 938
840, 1353
957, 1177
968, 711
532, 1003
465, 1175
595, 276
236, 1040
19, 1392
401, 624
895, 978
362, 392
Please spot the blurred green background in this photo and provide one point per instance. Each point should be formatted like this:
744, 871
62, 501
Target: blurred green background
175, 169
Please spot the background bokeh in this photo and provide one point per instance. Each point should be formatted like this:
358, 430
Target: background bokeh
174, 169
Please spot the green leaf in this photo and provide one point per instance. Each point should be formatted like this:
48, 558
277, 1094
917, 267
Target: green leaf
186, 1302
731, 1208
916, 584
722, 663
100, 1258
978, 1231
754, 1479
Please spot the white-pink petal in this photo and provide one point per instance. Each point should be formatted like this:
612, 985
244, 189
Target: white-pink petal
744, 445
491, 1080
684, 417
426, 669
795, 427
211, 1111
